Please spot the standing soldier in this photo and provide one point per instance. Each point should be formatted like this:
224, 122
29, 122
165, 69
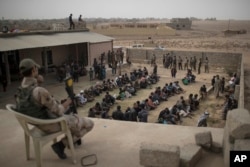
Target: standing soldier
186, 64
199, 66
194, 63
191, 63
180, 63
71, 23
206, 65
173, 72
91, 72
217, 86
153, 60
155, 69
109, 57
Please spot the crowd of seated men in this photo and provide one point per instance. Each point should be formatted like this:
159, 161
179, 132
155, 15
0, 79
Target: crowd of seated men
182, 108
140, 109
128, 86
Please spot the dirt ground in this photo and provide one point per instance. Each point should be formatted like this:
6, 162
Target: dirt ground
211, 104
205, 36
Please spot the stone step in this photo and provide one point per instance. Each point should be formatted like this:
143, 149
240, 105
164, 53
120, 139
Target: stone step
190, 154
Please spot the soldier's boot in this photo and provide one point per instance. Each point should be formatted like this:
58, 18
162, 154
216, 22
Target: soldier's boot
79, 142
59, 149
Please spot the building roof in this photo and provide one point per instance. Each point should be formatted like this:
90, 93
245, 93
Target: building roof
43, 39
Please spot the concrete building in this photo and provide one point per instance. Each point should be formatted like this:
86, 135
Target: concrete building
50, 49
180, 23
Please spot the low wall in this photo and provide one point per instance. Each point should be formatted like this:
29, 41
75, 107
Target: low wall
216, 59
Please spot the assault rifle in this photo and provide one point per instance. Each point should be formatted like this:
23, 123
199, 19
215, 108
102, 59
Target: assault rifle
71, 94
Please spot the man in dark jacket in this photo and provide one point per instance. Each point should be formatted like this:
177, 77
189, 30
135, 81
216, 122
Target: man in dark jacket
118, 114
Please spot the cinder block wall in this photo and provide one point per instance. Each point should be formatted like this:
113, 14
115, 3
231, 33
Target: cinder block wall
216, 59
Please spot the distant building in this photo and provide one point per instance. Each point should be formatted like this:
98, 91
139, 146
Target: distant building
180, 23
234, 32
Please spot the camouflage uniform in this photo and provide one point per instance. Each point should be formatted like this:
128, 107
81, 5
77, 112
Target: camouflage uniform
78, 126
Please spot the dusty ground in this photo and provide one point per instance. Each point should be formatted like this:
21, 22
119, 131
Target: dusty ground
204, 35
211, 104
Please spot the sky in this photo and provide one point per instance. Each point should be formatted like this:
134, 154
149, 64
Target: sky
57, 9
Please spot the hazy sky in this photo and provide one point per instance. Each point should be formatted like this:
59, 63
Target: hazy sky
50, 9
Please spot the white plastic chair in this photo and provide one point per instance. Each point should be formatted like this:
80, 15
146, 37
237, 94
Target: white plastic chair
40, 138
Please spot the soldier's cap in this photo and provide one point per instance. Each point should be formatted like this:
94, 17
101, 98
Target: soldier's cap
27, 64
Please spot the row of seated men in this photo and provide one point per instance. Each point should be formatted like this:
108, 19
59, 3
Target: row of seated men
137, 80
127, 88
182, 108
139, 110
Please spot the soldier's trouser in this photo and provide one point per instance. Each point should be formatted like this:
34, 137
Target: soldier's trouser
78, 127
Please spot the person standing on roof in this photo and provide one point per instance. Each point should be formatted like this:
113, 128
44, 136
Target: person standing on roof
71, 23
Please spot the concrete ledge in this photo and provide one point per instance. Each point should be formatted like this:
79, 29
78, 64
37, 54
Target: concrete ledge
204, 139
239, 124
190, 155
242, 145
160, 155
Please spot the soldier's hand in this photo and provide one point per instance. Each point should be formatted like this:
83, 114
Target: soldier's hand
67, 103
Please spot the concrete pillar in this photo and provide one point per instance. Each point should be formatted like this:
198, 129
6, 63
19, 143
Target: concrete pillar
45, 58
237, 128
237, 92
77, 53
7, 68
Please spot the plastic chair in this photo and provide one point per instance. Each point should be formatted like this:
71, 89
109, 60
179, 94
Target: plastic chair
40, 138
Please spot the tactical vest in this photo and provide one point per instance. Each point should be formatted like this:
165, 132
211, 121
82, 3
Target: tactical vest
26, 104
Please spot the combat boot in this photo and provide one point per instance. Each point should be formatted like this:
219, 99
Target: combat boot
59, 149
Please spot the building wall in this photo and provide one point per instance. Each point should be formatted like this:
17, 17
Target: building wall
68, 53
96, 49
60, 54
34, 53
